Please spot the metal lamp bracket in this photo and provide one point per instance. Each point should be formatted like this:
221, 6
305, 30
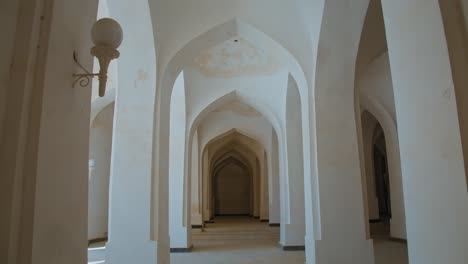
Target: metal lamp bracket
82, 79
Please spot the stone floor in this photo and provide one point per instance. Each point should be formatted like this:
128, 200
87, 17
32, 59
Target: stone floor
244, 240
237, 240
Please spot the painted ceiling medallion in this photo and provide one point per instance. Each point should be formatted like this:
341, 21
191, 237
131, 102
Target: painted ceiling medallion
235, 57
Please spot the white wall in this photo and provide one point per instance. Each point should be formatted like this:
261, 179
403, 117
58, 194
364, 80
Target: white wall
100, 148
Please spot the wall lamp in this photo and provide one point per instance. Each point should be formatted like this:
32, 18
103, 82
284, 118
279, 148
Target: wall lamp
107, 36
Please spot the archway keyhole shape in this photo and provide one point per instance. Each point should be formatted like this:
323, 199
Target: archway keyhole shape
184, 57
187, 54
226, 147
217, 104
245, 156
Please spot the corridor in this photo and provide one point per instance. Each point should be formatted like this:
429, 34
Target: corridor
227, 132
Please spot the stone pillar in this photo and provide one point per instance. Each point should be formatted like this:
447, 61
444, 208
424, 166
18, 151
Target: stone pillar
131, 238
432, 162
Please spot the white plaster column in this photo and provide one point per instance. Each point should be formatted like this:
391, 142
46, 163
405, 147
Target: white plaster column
196, 208
130, 202
256, 188
179, 184
264, 202
44, 147
340, 232
273, 181
293, 215
205, 187
432, 162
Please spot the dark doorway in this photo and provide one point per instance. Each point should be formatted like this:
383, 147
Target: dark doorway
232, 191
382, 184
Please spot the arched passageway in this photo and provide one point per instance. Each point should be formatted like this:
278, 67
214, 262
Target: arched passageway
236, 151
377, 177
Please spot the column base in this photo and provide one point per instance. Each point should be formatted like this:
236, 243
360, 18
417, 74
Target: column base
293, 248
128, 251
344, 251
399, 240
181, 250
